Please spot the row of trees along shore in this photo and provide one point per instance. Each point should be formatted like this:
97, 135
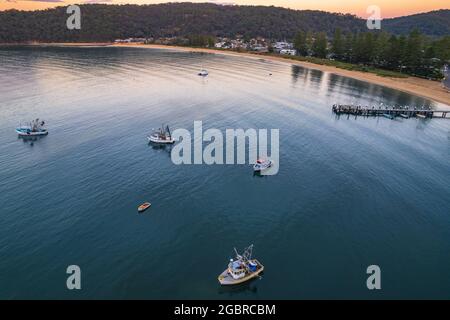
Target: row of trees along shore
413, 54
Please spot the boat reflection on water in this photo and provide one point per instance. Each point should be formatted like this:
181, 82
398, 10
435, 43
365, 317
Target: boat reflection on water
30, 139
249, 286
161, 147
258, 174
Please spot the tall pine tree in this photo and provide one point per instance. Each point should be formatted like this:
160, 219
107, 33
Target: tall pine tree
300, 43
337, 47
320, 45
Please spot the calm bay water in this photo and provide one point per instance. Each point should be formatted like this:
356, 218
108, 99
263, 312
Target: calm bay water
349, 193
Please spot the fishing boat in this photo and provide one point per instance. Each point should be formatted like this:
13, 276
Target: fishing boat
388, 115
34, 128
144, 206
162, 135
241, 269
421, 116
203, 73
262, 164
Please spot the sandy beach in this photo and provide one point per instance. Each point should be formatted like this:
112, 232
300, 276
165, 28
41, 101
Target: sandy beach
433, 90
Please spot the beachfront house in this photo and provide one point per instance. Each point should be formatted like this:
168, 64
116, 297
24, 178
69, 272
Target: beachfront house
291, 52
222, 45
282, 45
260, 48
238, 44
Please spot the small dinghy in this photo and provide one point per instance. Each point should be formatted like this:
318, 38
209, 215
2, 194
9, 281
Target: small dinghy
262, 164
144, 206
34, 128
161, 136
241, 269
203, 73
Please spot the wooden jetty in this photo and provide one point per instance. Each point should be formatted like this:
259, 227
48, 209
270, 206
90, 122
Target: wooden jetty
390, 112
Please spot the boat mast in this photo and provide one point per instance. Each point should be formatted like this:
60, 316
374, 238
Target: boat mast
248, 253
238, 256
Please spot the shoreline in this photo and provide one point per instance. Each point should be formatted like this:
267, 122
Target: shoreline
424, 88
429, 89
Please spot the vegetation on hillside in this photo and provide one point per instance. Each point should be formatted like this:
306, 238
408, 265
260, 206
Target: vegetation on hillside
102, 22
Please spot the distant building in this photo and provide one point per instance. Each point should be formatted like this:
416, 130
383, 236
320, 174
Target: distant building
282, 45
222, 45
122, 41
258, 44
291, 52
238, 44
260, 48
133, 40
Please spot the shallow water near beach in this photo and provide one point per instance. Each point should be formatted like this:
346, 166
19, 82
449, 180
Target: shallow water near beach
350, 192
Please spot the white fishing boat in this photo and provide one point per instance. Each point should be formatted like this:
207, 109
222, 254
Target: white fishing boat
34, 128
162, 136
262, 164
203, 73
241, 269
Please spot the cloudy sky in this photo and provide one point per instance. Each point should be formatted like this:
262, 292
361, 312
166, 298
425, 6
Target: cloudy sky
389, 8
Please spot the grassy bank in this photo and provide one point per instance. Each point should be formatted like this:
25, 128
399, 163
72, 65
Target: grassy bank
343, 65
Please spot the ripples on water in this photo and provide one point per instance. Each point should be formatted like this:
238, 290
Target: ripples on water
349, 193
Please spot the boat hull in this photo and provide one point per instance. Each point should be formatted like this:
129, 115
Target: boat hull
159, 141
225, 279
144, 206
24, 133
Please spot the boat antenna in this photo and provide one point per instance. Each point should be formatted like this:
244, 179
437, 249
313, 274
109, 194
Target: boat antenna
237, 254
168, 130
248, 252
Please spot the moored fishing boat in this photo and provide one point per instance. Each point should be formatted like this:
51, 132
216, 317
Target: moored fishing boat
34, 128
262, 164
162, 135
241, 269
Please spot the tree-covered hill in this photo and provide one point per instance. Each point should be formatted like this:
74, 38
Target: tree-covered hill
434, 23
101, 22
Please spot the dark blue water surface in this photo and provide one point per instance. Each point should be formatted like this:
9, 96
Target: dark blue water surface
349, 193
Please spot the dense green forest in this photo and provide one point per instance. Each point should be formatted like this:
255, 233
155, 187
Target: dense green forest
102, 22
414, 54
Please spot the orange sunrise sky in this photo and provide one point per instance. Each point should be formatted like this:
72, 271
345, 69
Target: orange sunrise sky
389, 8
